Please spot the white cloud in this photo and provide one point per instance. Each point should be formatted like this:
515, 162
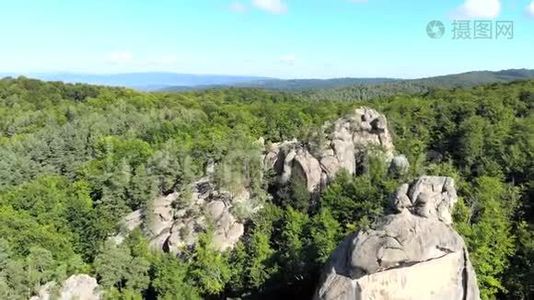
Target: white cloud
530, 9
479, 9
238, 7
272, 6
288, 59
120, 57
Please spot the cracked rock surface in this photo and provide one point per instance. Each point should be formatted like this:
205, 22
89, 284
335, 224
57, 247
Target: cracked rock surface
413, 254
80, 287
173, 228
343, 145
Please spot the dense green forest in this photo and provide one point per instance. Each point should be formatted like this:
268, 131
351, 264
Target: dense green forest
75, 159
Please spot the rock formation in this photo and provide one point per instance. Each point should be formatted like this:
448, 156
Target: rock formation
173, 222
76, 287
172, 226
343, 145
412, 254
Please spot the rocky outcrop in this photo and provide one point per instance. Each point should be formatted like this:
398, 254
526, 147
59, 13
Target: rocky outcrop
343, 144
128, 223
412, 254
76, 287
173, 222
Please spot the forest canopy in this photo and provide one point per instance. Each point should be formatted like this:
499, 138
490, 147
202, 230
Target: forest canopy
75, 159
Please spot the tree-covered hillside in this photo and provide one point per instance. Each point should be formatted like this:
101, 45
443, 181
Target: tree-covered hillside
364, 88
75, 159
370, 90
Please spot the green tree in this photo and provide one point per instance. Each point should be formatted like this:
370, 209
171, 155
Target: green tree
356, 202
261, 266
325, 234
171, 280
295, 193
294, 241
488, 231
209, 268
117, 268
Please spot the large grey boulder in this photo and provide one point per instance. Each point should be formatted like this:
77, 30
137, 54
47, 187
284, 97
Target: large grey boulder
413, 254
399, 165
76, 287
308, 166
207, 206
344, 144
173, 223
228, 229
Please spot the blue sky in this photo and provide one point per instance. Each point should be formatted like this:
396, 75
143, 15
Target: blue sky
278, 38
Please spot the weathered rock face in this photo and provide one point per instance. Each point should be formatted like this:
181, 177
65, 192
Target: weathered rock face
428, 197
346, 142
76, 287
174, 222
414, 254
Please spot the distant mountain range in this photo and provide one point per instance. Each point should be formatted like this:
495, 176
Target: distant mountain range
446, 81
476, 78
314, 84
149, 81
158, 81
